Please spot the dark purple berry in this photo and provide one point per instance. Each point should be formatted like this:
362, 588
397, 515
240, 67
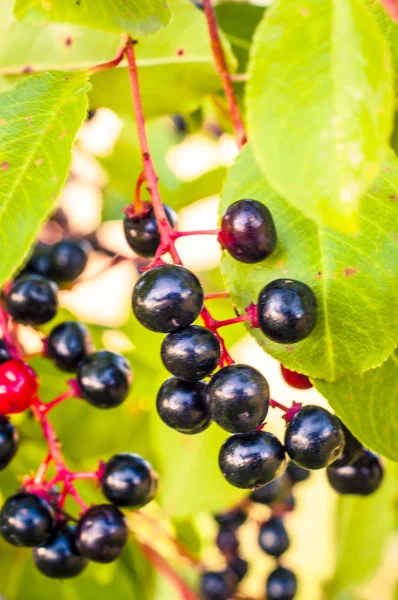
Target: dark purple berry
272, 538
68, 260
247, 231
129, 480
101, 533
216, 586
352, 449
281, 584
239, 567
67, 345
59, 557
269, 493
227, 542
167, 298
232, 519
104, 379
9, 440
286, 310
363, 477
192, 353
32, 300
239, 398
5, 355
141, 230
296, 473
249, 460
183, 405
39, 262
314, 438
26, 520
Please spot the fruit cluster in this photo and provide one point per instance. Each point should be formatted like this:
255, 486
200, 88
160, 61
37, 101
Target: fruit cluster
168, 298
35, 516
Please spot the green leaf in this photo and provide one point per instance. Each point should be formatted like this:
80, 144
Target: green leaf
320, 105
368, 405
389, 29
38, 122
135, 17
362, 529
354, 278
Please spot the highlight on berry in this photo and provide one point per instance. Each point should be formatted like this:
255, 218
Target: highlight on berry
198, 324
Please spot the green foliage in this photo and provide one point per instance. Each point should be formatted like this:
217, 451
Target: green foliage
38, 123
363, 526
389, 29
136, 17
356, 328
368, 405
320, 105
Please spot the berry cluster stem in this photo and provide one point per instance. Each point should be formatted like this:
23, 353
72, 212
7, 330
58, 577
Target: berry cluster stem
222, 68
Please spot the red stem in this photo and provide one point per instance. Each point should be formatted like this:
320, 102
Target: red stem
179, 234
110, 64
138, 185
222, 68
216, 295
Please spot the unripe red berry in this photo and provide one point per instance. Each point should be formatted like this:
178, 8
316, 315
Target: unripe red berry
18, 386
296, 380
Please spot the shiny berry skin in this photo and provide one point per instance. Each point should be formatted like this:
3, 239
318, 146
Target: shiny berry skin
68, 260
314, 438
272, 538
9, 441
192, 353
101, 533
296, 473
269, 493
183, 405
32, 300
232, 519
248, 460
18, 386
39, 262
239, 398
142, 233
59, 558
167, 298
361, 478
352, 449
104, 379
216, 586
227, 542
286, 310
299, 381
26, 520
5, 354
67, 345
129, 480
281, 584
247, 231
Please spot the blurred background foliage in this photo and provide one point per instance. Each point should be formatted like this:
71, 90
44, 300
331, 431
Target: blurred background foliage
342, 550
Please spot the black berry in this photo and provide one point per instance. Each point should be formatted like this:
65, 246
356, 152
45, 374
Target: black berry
129, 480
67, 345
273, 539
216, 586
232, 519
104, 379
352, 449
362, 477
286, 310
5, 355
281, 584
32, 300
39, 262
26, 520
183, 405
314, 438
101, 533
227, 542
167, 298
9, 440
296, 473
248, 460
247, 231
238, 566
239, 398
59, 558
269, 493
192, 353
141, 230
68, 260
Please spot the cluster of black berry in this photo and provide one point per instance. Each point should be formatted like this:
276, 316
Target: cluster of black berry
34, 517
